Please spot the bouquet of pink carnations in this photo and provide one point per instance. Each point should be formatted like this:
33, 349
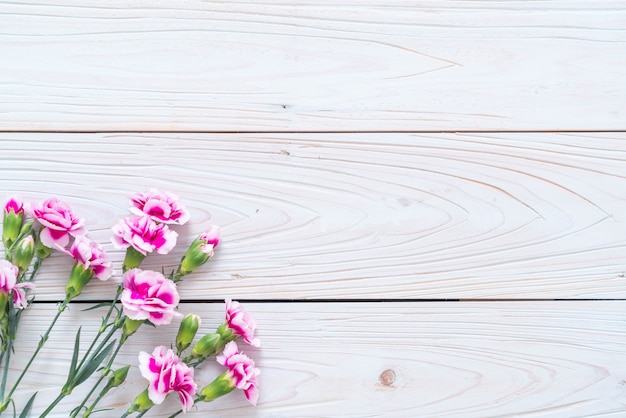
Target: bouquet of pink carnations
30, 235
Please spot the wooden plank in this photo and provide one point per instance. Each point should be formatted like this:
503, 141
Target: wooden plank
81, 65
556, 359
353, 216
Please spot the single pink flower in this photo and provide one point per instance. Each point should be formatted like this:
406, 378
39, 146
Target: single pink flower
241, 323
241, 371
8, 284
19, 294
15, 205
149, 295
59, 223
91, 255
161, 206
144, 235
8, 276
166, 373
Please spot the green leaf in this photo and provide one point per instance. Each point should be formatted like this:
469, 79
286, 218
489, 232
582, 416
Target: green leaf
28, 406
88, 369
72, 372
99, 305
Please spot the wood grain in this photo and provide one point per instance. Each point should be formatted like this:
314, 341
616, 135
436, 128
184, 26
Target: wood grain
81, 65
353, 216
454, 359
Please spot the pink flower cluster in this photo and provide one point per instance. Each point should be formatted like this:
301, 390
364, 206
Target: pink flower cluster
241, 371
149, 295
241, 323
9, 285
147, 231
58, 225
165, 374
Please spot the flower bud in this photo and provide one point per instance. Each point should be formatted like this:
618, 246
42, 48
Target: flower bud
27, 227
221, 386
226, 333
41, 250
208, 345
200, 250
130, 327
24, 253
141, 403
12, 221
187, 331
79, 277
117, 378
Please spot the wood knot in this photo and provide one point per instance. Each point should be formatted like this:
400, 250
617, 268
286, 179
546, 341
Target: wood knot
387, 377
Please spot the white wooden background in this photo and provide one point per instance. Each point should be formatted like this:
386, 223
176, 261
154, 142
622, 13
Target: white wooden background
430, 191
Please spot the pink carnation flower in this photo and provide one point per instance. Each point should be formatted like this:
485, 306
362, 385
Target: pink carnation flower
241, 323
59, 222
14, 204
241, 371
162, 207
144, 235
91, 255
8, 284
19, 294
166, 373
149, 295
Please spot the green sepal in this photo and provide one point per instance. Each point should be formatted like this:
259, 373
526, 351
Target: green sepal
132, 259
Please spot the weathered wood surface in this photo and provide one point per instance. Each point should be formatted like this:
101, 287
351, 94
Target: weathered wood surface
464, 216
450, 359
85, 65
394, 214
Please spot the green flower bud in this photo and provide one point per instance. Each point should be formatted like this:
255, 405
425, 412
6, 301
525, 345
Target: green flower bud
26, 228
208, 345
226, 334
24, 253
141, 403
130, 327
187, 331
12, 221
132, 259
221, 386
117, 378
41, 250
79, 277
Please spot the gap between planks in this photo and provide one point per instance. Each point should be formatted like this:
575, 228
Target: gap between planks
340, 132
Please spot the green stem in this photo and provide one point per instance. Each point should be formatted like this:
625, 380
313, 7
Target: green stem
43, 340
104, 373
105, 320
5, 372
35, 268
175, 414
100, 347
53, 404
